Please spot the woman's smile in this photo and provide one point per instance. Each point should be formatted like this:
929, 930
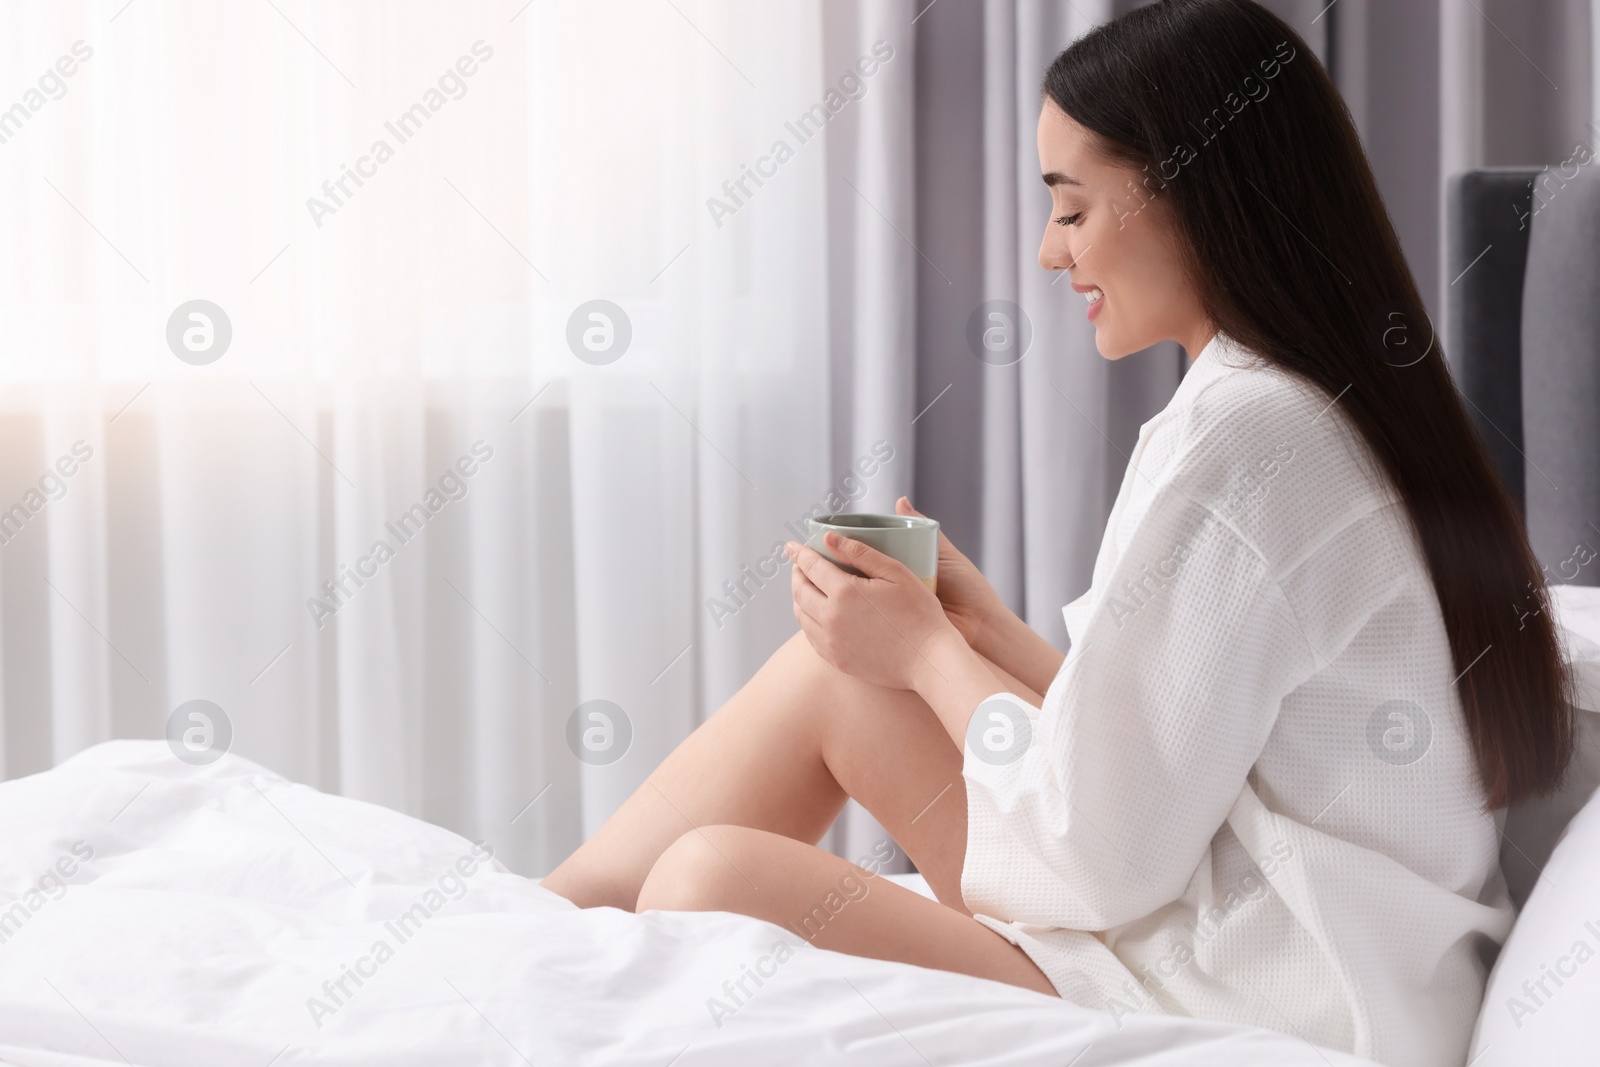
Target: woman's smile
1094, 295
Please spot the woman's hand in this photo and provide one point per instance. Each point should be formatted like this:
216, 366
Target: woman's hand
970, 602
873, 628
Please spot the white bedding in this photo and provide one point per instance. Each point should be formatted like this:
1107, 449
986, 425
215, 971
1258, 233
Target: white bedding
205, 907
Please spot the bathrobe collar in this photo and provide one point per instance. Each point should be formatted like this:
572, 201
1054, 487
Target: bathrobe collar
1221, 355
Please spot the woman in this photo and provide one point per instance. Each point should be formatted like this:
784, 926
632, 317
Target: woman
1310, 665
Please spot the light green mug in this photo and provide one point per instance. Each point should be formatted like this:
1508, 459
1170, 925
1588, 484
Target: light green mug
911, 539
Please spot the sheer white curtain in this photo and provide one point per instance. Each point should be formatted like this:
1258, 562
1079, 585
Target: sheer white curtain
400, 315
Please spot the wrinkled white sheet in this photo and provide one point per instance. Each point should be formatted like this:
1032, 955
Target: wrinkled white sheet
173, 915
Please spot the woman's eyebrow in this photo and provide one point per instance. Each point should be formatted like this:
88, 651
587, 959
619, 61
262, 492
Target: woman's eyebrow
1054, 177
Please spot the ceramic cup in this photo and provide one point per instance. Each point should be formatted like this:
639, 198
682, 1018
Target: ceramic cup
911, 539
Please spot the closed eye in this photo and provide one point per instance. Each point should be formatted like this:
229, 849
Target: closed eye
1068, 220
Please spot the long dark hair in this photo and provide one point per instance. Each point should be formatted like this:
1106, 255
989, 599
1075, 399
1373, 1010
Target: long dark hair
1287, 241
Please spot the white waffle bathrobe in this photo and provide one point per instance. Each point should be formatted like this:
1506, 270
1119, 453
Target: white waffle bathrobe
1250, 795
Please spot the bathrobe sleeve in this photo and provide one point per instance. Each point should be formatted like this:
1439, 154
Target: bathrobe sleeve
1099, 808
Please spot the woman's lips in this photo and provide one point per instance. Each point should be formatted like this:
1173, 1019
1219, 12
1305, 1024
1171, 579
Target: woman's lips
1095, 305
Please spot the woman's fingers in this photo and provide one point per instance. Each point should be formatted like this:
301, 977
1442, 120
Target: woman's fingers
809, 626
807, 597
865, 558
816, 567
808, 602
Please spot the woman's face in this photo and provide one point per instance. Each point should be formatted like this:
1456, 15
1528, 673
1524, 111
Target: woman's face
1112, 233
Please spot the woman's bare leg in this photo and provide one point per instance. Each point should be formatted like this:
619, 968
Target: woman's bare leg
829, 902
781, 756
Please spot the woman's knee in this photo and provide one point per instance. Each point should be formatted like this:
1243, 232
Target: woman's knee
807, 692
799, 661
701, 871
837, 703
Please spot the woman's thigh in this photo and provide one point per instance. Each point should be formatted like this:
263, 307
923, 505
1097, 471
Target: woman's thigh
829, 902
888, 750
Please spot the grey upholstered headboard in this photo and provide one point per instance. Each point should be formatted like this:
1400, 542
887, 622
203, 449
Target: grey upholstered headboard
1523, 248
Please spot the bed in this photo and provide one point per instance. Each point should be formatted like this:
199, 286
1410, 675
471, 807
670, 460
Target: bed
214, 915
163, 913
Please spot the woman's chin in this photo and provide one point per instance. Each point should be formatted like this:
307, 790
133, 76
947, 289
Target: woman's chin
1108, 346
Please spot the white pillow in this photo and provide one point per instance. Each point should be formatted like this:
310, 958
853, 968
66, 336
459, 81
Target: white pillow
1544, 992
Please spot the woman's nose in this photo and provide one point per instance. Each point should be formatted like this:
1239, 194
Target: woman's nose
1054, 253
